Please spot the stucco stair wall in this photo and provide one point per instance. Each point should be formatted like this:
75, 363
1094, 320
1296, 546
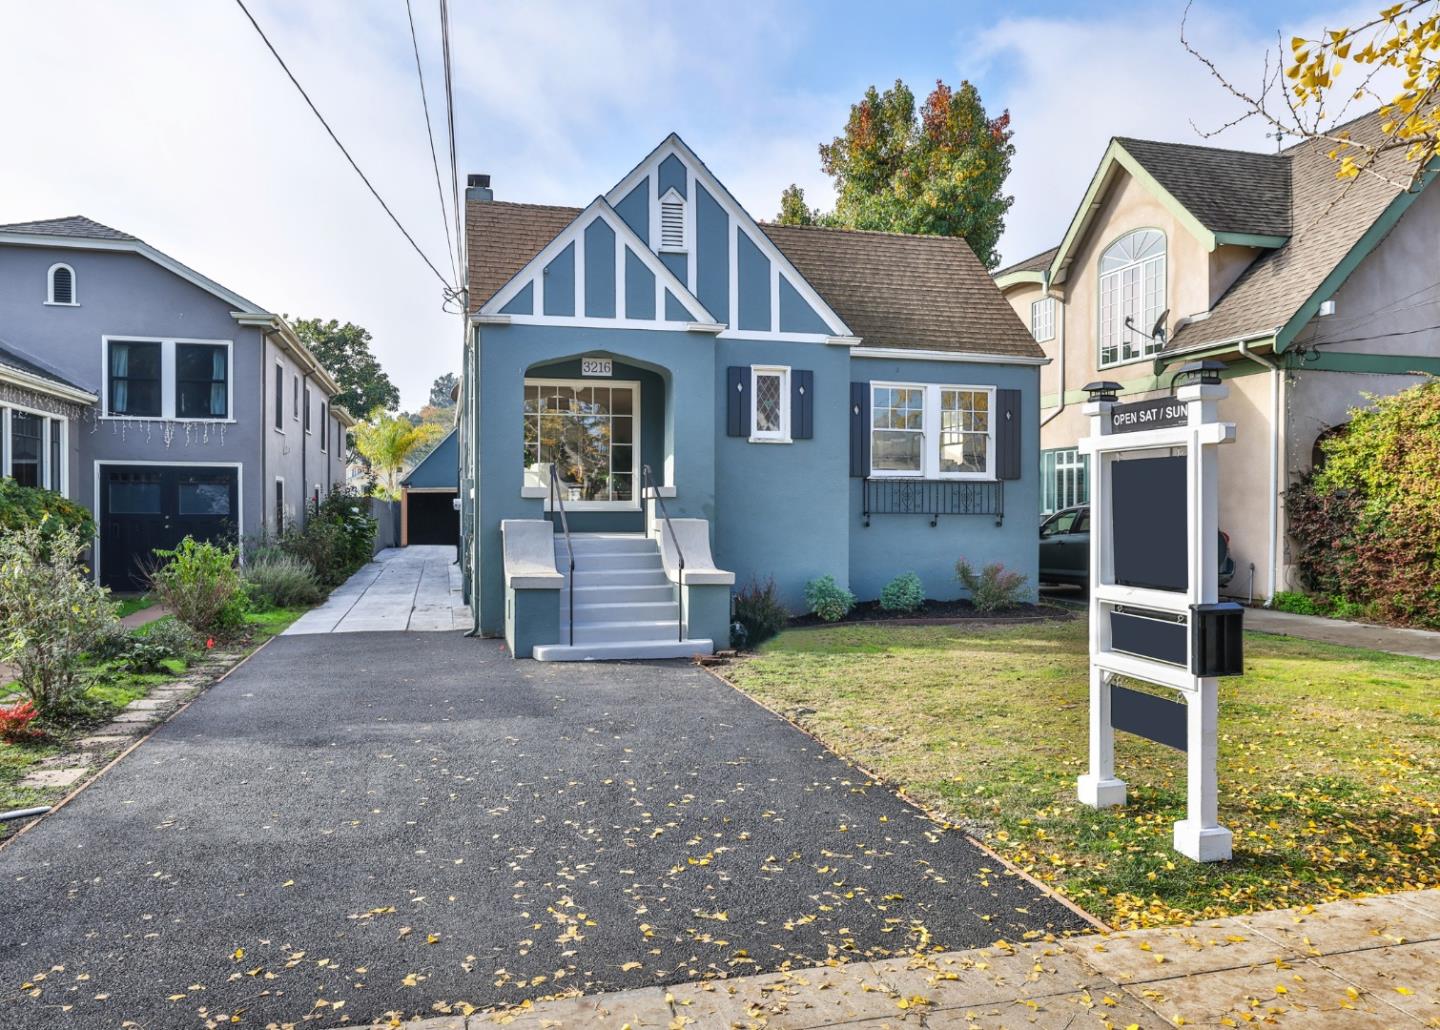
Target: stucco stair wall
625, 606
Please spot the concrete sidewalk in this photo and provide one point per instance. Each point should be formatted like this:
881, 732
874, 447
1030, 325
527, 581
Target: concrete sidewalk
1416, 643
1367, 963
404, 588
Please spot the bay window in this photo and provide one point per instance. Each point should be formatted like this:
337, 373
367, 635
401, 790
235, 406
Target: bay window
932, 431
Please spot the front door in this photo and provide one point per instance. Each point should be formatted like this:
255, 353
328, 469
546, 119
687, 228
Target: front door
144, 507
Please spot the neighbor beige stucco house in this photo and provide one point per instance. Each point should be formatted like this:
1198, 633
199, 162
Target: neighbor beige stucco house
1314, 292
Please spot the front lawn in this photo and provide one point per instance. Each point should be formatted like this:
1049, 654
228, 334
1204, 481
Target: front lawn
1329, 761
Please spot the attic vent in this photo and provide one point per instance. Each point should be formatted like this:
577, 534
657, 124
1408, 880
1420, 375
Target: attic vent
672, 221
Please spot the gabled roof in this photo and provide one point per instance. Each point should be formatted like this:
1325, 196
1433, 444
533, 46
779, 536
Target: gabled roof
501, 238
440, 469
1336, 223
35, 373
1228, 191
75, 226
1031, 270
909, 292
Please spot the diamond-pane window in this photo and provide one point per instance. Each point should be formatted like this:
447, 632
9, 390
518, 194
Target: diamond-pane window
770, 403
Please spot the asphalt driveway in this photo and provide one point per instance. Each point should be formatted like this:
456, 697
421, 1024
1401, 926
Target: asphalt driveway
366, 823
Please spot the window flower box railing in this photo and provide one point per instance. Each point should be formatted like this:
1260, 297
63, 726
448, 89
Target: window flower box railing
933, 497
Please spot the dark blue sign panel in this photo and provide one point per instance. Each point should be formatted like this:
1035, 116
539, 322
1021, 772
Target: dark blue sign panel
1148, 716
1140, 415
1148, 501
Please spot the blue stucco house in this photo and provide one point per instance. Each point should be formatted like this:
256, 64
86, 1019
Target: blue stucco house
703, 400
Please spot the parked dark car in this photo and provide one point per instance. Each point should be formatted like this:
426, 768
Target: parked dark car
1065, 548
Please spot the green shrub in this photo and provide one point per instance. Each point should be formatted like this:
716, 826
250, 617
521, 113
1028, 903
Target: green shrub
993, 589
336, 539
200, 584
1296, 603
904, 593
828, 599
22, 507
51, 612
758, 612
1366, 524
159, 642
281, 581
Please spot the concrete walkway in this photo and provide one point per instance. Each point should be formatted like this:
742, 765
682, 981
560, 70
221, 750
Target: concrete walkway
404, 588
1417, 643
1365, 963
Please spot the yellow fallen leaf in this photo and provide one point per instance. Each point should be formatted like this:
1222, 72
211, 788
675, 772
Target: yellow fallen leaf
1403, 990
627, 966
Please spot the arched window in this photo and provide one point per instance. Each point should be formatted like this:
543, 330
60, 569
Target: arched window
62, 285
1132, 285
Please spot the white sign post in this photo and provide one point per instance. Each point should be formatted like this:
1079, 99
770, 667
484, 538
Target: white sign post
1154, 615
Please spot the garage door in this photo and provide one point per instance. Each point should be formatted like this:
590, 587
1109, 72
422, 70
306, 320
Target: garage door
432, 518
143, 507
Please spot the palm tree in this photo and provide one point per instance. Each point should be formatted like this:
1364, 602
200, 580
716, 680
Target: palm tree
387, 440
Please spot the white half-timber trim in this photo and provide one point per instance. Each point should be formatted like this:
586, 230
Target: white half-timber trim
574, 233
698, 172
907, 354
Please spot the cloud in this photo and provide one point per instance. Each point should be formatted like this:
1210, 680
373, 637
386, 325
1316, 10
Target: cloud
1072, 84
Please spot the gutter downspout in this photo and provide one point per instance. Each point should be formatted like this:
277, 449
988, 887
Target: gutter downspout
1060, 354
472, 414
1273, 513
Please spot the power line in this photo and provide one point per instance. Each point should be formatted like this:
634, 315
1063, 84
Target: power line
373, 191
454, 166
430, 136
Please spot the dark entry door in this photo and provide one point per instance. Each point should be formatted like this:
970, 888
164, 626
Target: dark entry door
433, 519
144, 507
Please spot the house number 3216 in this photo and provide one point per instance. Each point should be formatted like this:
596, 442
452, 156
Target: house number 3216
596, 367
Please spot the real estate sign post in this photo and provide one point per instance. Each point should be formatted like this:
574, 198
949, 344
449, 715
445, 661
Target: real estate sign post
1155, 615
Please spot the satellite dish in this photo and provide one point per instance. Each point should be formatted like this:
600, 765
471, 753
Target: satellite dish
1157, 332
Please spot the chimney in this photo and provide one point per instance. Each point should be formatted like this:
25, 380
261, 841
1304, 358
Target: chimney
477, 188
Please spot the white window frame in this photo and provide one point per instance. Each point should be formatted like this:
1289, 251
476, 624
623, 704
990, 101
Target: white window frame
48, 421
781, 435
542, 490
324, 426
1124, 338
167, 378
930, 432
74, 301
1067, 464
309, 415
1042, 319
282, 510
278, 395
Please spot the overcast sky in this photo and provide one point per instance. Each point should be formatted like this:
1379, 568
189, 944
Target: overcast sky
168, 119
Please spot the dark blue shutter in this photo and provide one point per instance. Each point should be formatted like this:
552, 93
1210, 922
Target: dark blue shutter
1007, 434
860, 430
737, 400
802, 414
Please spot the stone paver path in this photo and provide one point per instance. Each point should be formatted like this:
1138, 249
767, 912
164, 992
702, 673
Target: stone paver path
1364, 963
404, 588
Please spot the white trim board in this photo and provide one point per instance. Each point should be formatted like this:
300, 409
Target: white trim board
906, 354
739, 217
574, 233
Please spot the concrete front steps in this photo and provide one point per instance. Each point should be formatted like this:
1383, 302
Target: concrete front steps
625, 606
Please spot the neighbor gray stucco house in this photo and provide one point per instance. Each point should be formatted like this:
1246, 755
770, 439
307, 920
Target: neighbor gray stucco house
807, 402
162, 401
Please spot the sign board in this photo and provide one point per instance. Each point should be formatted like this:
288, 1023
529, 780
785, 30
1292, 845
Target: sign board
603, 367
1136, 416
1155, 615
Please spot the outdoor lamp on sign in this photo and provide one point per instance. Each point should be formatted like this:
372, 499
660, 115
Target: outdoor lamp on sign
1205, 373
1103, 390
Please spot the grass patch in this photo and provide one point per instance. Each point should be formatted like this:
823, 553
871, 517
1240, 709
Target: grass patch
130, 605
1329, 761
267, 624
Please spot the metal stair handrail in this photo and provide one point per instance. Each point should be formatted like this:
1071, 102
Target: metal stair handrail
648, 483
557, 503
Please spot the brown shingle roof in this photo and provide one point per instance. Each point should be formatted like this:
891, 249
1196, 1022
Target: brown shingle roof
502, 237
893, 290
1226, 190
74, 226
915, 292
1036, 263
1329, 216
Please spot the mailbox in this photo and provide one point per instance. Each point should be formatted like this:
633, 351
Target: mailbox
1217, 642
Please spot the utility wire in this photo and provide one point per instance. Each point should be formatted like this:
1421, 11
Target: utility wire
430, 136
373, 192
464, 287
